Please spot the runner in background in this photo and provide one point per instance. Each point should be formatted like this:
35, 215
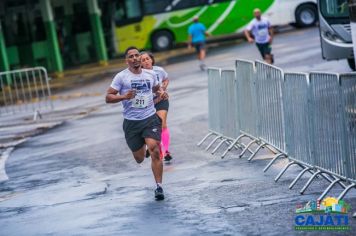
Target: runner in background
197, 32
260, 31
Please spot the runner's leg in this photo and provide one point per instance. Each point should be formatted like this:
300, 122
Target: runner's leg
136, 143
140, 154
152, 138
156, 165
165, 133
202, 54
266, 51
201, 58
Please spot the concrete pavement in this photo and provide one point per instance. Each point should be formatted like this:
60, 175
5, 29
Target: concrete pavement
80, 178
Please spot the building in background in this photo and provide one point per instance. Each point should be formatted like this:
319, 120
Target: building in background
51, 33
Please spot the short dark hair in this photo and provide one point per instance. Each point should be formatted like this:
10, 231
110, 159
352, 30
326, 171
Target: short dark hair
150, 54
130, 48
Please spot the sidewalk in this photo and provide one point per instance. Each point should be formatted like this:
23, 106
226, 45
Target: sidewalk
88, 73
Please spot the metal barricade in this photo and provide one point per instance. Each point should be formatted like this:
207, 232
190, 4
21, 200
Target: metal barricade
246, 118
228, 108
348, 92
269, 81
309, 119
327, 127
297, 124
245, 76
25, 90
214, 90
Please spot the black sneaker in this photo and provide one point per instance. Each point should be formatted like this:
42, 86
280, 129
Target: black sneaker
159, 193
147, 154
168, 157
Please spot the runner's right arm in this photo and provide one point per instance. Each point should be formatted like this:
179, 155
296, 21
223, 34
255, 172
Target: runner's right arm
247, 32
113, 96
248, 36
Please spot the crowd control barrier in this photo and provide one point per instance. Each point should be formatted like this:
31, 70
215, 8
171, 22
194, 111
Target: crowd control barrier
24, 91
308, 118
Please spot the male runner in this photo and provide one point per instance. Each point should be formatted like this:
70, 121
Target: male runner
134, 87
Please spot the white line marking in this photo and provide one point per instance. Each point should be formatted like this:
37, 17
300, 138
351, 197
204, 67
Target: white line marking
222, 17
188, 21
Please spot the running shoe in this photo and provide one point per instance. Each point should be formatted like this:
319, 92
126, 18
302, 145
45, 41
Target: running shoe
168, 157
202, 67
159, 193
147, 154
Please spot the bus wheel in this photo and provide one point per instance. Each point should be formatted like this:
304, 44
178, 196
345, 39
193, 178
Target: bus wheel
351, 62
306, 15
162, 40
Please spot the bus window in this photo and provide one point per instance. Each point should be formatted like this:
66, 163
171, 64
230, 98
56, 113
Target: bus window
133, 8
128, 11
218, 1
155, 6
335, 8
188, 4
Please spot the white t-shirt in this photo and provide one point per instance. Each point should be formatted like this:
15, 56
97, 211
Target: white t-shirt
143, 83
161, 74
259, 29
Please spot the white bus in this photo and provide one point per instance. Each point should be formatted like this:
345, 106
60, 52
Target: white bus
335, 31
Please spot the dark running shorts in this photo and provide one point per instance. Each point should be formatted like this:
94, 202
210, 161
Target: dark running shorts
264, 48
162, 105
137, 130
199, 46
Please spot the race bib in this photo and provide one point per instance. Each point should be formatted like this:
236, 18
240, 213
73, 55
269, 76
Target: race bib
140, 101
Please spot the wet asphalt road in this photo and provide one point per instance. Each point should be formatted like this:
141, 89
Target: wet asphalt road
80, 179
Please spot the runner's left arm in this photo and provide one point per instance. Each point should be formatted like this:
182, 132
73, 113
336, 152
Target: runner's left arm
165, 80
165, 84
158, 90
